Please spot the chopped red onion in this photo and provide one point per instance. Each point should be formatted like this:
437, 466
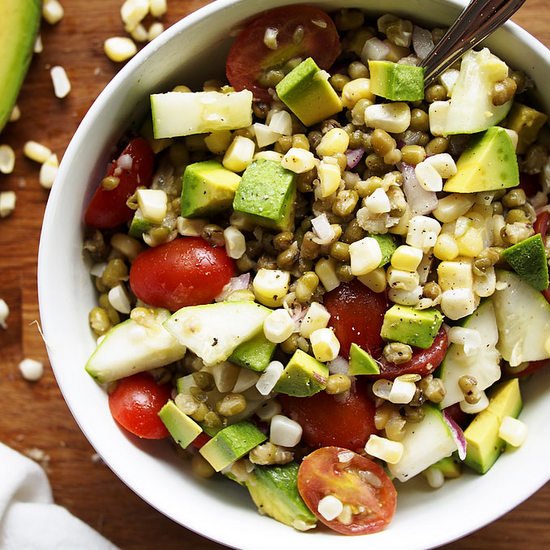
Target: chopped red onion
324, 232
374, 49
420, 201
422, 41
458, 434
235, 283
354, 157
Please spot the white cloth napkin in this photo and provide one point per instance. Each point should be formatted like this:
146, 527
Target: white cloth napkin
29, 519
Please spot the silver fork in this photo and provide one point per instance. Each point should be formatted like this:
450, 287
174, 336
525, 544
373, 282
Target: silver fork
476, 22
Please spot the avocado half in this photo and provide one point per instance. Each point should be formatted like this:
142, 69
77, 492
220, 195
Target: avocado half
21, 21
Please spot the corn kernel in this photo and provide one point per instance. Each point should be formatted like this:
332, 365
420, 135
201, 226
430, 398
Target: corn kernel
298, 160
324, 344
265, 135
61, 82
437, 115
316, 318
269, 155
407, 258
513, 431
270, 286
391, 117
280, 122
36, 151
48, 172
446, 247
153, 204
458, 303
333, 142
448, 80
7, 159
402, 391
239, 154
471, 243
157, 7
423, 232
329, 178
190, 228
119, 48
133, 12
375, 280
52, 11
402, 280
365, 256
7, 203
155, 30
278, 326
16, 111
139, 34
428, 177
405, 297
486, 286
330, 507
384, 449
457, 274
325, 269
218, 142
444, 164
235, 243
355, 90
378, 202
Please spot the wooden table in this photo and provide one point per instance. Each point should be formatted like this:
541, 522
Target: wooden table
34, 415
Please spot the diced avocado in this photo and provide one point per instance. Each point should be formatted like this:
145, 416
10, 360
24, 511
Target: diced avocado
303, 376
182, 428
484, 445
470, 109
130, 347
396, 82
361, 362
207, 188
20, 24
528, 259
527, 122
214, 331
274, 490
388, 245
255, 354
183, 114
231, 443
523, 319
139, 225
483, 364
266, 193
450, 466
488, 164
307, 93
411, 326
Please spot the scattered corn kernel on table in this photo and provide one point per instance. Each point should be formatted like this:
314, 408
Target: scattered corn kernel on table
34, 415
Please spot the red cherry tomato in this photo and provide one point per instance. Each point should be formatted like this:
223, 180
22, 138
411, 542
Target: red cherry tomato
532, 367
541, 224
249, 57
359, 482
330, 420
423, 362
135, 403
184, 272
357, 314
201, 440
108, 209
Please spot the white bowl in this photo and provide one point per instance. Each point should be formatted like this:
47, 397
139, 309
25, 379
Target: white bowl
191, 51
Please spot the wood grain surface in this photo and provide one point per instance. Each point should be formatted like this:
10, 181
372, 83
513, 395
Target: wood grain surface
34, 415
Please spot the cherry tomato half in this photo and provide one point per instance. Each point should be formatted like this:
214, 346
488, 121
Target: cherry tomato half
135, 404
528, 369
330, 420
108, 209
423, 361
302, 31
184, 272
357, 481
357, 314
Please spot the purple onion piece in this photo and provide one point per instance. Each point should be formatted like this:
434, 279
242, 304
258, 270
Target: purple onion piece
354, 156
420, 201
458, 434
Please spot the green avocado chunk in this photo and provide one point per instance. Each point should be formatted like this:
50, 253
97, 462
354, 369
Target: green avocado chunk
483, 444
255, 354
231, 443
307, 93
182, 428
20, 24
411, 326
488, 164
450, 466
527, 122
207, 188
139, 225
388, 245
396, 82
303, 376
361, 362
266, 194
528, 259
274, 490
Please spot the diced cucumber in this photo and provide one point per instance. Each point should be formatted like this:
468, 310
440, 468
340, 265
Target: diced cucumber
214, 331
483, 365
523, 318
130, 347
425, 443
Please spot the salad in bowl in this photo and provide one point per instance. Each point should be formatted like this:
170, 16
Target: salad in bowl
321, 279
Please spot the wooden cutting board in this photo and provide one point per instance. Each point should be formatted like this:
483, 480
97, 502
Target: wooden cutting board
34, 415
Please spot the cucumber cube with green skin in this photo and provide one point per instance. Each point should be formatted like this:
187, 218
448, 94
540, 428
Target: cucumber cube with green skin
411, 326
528, 259
307, 93
361, 362
139, 225
396, 82
483, 444
231, 443
388, 245
255, 354
266, 194
207, 189
303, 376
182, 428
